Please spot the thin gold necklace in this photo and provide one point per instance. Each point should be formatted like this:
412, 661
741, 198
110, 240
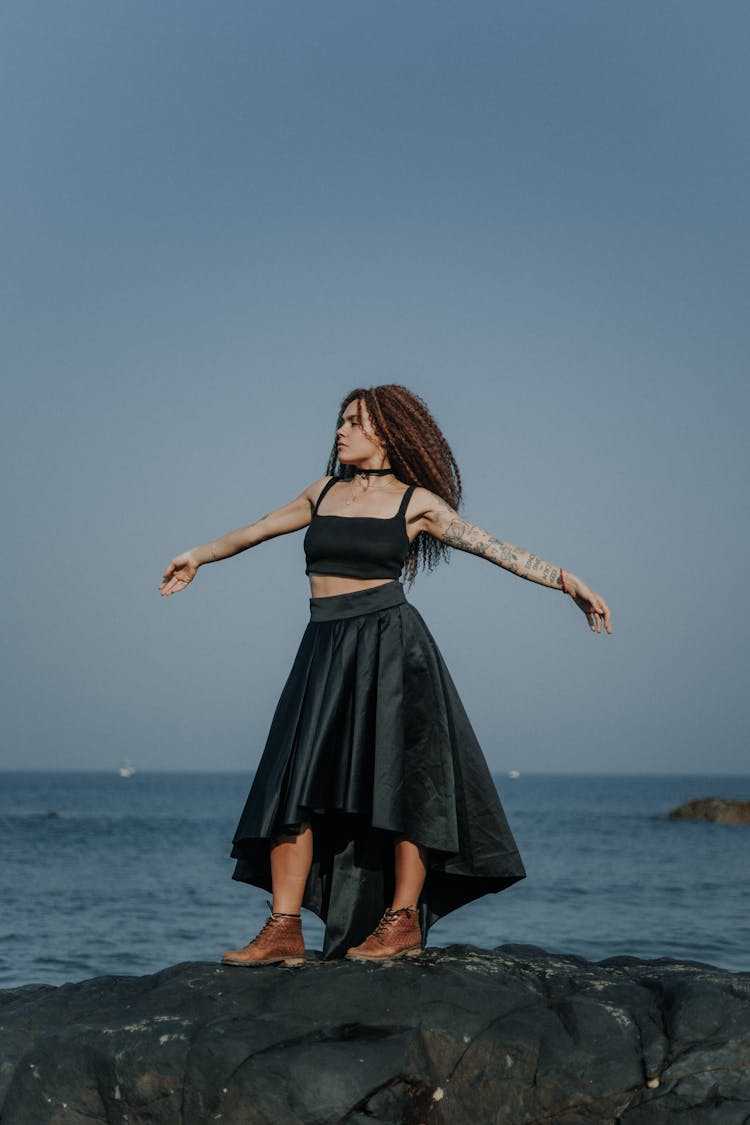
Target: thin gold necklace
365, 488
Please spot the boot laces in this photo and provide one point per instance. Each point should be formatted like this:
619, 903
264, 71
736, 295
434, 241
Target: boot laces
388, 920
271, 921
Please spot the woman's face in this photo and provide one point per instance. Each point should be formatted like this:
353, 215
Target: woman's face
356, 440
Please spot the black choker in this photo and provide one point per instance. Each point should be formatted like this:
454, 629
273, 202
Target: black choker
374, 472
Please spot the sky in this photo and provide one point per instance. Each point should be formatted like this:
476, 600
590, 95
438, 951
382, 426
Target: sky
217, 219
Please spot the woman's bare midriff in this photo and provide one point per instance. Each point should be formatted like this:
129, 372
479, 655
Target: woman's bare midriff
328, 585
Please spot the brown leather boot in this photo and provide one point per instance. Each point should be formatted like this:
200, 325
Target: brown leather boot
397, 934
279, 942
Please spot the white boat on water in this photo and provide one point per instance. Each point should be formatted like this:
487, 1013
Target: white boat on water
514, 775
126, 770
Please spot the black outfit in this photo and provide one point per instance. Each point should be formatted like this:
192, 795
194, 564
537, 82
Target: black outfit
370, 743
357, 546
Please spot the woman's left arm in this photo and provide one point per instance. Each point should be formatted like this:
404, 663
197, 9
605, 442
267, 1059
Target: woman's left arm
444, 522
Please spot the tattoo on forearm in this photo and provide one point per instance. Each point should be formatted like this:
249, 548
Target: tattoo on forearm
467, 537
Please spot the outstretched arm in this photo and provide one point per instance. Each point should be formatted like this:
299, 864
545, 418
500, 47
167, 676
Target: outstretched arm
444, 522
293, 516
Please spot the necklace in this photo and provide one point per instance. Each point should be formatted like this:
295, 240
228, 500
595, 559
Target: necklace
364, 475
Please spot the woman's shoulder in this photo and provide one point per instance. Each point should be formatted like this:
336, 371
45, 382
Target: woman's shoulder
423, 501
314, 491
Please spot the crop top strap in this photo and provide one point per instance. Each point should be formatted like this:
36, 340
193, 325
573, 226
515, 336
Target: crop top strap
323, 491
405, 500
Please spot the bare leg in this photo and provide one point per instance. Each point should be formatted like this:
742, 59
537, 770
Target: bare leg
291, 857
398, 932
411, 869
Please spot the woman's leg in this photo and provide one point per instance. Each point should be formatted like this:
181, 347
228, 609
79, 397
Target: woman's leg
291, 857
281, 941
411, 869
397, 933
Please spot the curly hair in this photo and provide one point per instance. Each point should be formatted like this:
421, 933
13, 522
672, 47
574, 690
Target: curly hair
417, 452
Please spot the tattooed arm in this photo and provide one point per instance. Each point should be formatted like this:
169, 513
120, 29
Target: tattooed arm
293, 516
439, 519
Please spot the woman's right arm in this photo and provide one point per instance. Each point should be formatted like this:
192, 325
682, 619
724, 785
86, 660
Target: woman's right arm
293, 516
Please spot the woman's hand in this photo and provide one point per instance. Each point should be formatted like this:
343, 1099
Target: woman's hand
594, 606
181, 571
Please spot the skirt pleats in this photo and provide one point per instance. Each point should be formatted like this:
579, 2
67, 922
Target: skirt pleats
370, 743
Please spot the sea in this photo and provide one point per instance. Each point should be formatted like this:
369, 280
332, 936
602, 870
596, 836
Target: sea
104, 875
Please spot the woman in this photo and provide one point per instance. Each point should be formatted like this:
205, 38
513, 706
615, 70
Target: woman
372, 804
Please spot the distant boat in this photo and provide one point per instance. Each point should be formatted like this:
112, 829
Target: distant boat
126, 770
513, 775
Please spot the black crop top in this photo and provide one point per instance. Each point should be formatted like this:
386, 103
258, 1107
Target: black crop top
357, 546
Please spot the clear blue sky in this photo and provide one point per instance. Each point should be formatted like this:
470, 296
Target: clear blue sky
218, 218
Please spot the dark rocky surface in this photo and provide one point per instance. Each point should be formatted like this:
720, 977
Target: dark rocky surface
513, 1036
720, 809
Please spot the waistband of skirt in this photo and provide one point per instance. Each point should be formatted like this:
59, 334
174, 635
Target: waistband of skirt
370, 600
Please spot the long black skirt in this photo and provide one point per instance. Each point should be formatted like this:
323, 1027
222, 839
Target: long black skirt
370, 744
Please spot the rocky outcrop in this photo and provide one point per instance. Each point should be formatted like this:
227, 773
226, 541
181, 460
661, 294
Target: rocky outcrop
513, 1036
714, 808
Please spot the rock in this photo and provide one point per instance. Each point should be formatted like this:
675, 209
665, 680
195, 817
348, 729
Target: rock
714, 808
511, 1036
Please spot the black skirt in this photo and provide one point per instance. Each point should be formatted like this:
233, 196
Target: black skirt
369, 744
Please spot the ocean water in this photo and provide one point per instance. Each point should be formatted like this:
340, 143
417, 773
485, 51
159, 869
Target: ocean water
100, 875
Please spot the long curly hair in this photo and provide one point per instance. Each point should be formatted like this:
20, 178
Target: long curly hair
417, 452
